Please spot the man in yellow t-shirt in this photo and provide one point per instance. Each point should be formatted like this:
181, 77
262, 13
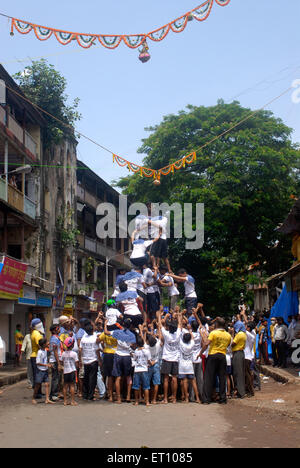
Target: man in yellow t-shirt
37, 332
238, 359
218, 342
18, 342
109, 349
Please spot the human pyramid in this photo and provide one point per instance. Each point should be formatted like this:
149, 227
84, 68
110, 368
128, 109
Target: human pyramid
136, 348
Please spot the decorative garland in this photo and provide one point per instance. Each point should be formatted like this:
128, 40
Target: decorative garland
152, 173
109, 41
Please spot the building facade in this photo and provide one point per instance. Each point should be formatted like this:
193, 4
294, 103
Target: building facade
93, 252
21, 145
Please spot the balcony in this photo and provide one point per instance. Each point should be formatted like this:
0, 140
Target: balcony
17, 199
80, 239
29, 207
2, 115
97, 247
30, 144
19, 132
90, 199
15, 128
90, 244
80, 192
3, 195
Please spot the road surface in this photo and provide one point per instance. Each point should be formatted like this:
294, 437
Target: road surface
103, 425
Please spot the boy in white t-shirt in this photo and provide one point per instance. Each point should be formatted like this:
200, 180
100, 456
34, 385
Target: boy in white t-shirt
154, 345
167, 281
70, 362
141, 360
189, 287
186, 367
171, 333
112, 315
42, 375
140, 256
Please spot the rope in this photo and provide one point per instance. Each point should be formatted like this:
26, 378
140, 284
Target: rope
146, 171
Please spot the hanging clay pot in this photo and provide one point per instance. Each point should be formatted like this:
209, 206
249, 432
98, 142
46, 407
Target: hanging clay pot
144, 57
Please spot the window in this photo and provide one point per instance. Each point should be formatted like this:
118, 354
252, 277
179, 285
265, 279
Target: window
48, 263
79, 270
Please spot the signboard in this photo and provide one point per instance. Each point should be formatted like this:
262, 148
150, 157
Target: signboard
60, 297
27, 296
93, 306
69, 303
11, 278
98, 296
42, 300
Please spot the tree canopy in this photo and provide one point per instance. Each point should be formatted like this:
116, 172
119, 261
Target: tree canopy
46, 87
247, 179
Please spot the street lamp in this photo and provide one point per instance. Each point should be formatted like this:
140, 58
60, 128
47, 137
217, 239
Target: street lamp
20, 170
108, 259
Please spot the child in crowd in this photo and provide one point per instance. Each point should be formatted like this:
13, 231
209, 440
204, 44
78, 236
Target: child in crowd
109, 345
171, 333
154, 345
112, 315
129, 301
122, 365
42, 375
70, 362
140, 256
141, 360
167, 281
186, 368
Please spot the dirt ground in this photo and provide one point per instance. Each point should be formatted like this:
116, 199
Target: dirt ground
266, 424
250, 423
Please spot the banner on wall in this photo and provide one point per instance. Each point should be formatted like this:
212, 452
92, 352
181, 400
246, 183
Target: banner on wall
12, 276
27, 296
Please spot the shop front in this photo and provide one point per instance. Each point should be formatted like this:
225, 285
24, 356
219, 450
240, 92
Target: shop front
12, 275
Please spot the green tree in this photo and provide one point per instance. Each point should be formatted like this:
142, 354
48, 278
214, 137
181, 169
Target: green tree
246, 179
46, 87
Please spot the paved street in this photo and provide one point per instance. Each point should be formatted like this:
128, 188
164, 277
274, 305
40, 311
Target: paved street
101, 424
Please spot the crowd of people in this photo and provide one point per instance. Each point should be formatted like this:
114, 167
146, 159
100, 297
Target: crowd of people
136, 349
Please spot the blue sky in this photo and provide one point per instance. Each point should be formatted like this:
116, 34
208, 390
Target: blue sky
239, 46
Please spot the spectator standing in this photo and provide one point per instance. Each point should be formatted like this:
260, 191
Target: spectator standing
216, 365
89, 357
27, 350
281, 337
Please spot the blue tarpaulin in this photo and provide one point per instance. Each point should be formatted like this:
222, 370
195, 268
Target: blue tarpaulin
287, 304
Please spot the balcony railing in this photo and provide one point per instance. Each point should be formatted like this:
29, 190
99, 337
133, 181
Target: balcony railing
15, 198
97, 247
2, 115
29, 207
90, 244
3, 195
30, 144
80, 192
90, 199
19, 132
80, 239
15, 128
